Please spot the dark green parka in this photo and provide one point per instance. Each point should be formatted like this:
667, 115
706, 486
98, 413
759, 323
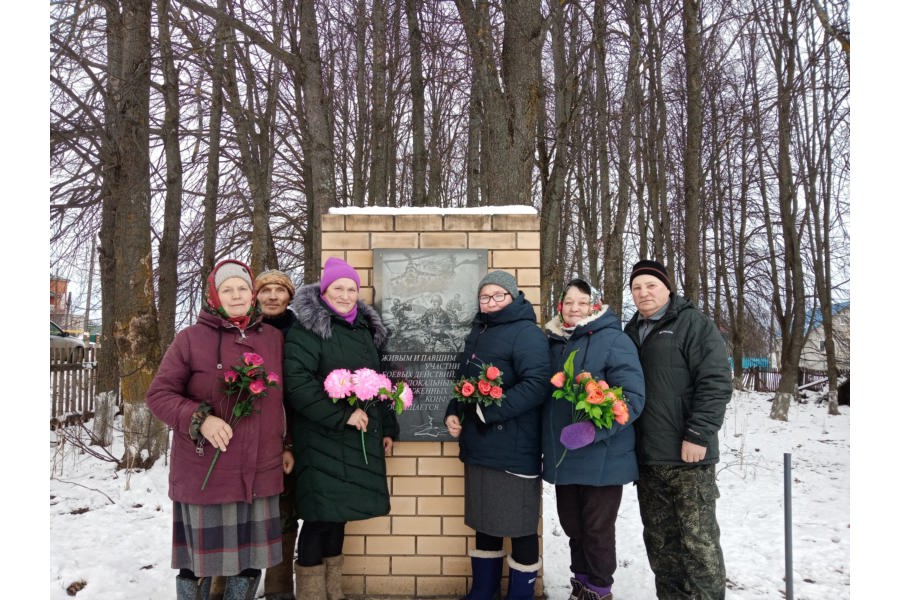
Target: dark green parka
688, 384
334, 483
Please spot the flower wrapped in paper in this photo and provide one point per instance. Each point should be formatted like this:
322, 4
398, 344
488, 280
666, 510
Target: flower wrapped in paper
486, 389
594, 404
365, 387
247, 382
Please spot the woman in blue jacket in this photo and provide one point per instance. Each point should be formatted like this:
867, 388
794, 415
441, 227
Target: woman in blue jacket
500, 444
589, 479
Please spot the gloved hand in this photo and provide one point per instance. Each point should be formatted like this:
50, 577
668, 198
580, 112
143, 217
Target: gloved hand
577, 435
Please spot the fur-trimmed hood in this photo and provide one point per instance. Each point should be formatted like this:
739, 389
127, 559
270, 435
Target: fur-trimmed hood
315, 315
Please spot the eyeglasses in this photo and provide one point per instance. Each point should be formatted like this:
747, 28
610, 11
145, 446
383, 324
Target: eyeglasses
496, 298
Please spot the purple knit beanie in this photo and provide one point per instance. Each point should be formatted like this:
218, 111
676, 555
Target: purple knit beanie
335, 268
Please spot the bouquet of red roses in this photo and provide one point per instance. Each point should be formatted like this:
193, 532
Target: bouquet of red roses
595, 404
486, 389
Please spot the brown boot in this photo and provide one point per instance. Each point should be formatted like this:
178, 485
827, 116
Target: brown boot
279, 581
217, 589
334, 574
310, 582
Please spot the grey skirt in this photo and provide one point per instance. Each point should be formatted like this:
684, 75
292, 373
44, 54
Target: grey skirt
225, 539
501, 504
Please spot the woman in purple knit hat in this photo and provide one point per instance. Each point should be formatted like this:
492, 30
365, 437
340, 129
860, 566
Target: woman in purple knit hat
340, 448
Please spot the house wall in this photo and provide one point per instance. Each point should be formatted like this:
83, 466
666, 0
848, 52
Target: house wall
812, 356
420, 549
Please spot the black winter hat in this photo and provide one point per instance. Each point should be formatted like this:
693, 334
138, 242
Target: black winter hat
650, 267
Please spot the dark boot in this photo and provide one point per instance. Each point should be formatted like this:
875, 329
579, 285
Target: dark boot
310, 582
217, 588
521, 580
239, 587
279, 579
487, 566
334, 575
593, 592
577, 586
192, 589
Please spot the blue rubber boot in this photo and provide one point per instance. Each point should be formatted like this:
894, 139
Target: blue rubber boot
521, 580
487, 566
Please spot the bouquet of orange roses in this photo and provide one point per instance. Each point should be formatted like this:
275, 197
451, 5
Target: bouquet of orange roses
486, 389
595, 404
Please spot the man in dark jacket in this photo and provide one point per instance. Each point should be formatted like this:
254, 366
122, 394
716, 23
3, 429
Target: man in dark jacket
275, 291
688, 384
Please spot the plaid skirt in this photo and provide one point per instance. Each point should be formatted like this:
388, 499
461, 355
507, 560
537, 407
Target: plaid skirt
501, 504
225, 539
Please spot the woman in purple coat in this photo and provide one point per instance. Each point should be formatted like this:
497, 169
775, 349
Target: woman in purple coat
226, 473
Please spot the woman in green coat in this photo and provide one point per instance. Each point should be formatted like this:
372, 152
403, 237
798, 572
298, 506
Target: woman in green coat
337, 479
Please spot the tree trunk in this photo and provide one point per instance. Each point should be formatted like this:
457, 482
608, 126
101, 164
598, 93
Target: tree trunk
168, 244
254, 117
613, 239
319, 151
378, 176
792, 320
553, 254
107, 356
135, 327
363, 124
693, 135
211, 193
509, 96
417, 93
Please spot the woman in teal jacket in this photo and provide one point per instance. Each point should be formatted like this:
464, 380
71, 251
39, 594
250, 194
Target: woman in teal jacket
337, 480
590, 473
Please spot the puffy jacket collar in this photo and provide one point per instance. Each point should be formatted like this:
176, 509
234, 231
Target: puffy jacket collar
314, 315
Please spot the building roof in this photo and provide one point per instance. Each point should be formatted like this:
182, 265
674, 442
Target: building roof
814, 318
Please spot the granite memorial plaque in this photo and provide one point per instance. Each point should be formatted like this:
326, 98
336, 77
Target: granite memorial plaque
427, 299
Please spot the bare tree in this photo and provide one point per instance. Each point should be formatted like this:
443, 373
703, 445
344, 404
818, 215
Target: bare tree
508, 96
613, 218
134, 319
417, 93
818, 118
781, 42
168, 244
692, 135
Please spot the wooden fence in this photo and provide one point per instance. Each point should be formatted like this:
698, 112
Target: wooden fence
73, 385
767, 380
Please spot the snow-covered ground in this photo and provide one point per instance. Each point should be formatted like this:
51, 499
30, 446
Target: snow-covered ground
111, 530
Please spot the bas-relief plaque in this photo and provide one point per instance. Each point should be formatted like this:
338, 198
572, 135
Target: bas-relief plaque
427, 299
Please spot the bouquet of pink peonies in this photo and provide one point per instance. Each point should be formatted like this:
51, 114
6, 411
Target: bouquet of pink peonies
249, 376
366, 386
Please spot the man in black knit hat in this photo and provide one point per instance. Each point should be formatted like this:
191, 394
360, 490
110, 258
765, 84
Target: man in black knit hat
688, 384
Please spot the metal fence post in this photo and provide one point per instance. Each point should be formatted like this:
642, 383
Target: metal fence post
788, 542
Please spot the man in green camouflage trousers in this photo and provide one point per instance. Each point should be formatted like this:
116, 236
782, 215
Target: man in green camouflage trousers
688, 384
